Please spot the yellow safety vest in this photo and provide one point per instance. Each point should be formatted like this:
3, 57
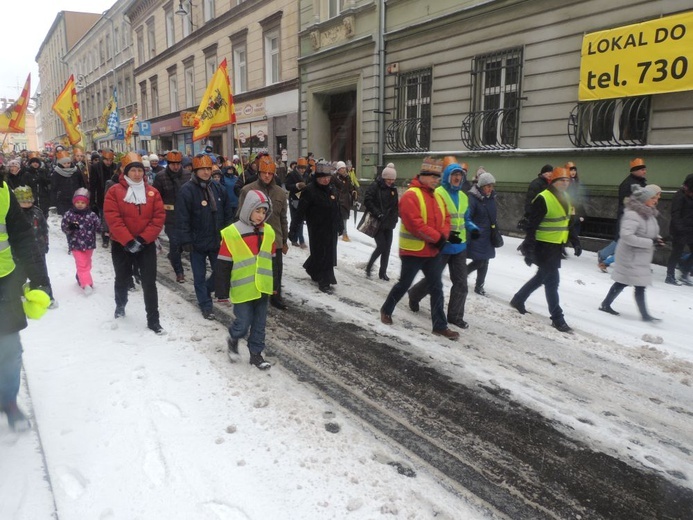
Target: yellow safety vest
407, 241
456, 213
251, 275
554, 226
6, 261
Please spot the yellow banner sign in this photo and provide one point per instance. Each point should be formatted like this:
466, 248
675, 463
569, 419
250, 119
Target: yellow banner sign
652, 57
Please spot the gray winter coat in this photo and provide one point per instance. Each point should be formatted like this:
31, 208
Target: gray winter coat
635, 248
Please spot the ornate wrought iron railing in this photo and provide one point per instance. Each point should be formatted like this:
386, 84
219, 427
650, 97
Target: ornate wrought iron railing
408, 135
611, 122
491, 129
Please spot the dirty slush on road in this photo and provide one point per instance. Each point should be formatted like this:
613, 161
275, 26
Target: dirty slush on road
482, 441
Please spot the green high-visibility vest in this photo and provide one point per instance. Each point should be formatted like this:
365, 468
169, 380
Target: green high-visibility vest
407, 241
251, 276
456, 213
554, 226
6, 261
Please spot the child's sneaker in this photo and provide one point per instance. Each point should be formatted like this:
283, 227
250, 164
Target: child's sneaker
258, 361
88, 290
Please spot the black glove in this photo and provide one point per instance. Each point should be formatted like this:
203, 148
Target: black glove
529, 259
474, 233
577, 248
454, 237
188, 248
133, 247
522, 223
441, 242
73, 226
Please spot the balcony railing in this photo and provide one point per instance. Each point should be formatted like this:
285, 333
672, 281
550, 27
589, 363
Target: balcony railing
490, 129
408, 135
612, 122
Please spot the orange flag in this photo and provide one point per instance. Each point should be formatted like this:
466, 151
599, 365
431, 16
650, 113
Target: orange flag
131, 126
67, 108
13, 120
216, 109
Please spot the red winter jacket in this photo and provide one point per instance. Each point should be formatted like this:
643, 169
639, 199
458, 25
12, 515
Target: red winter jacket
438, 223
128, 221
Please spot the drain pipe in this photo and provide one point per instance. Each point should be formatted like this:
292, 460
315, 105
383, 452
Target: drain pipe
381, 85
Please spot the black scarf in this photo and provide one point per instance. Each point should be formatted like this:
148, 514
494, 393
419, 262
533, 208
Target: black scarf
207, 193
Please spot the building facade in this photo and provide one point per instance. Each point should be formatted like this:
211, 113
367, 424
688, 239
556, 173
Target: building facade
102, 61
54, 71
178, 48
495, 83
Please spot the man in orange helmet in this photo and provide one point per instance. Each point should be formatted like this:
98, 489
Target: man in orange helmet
202, 210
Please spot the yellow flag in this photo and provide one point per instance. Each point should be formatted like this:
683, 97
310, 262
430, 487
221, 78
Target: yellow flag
216, 109
67, 108
13, 120
128, 130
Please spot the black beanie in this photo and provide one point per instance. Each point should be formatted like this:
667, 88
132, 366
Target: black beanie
546, 169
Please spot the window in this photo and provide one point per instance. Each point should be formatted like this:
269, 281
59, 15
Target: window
155, 96
189, 86
140, 46
144, 107
102, 55
151, 40
411, 131
127, 97
207, 10
170, 35
116, 40
210, 67
108, 46
610, 122
334, 7
240, 70
173, 91
272, 57
187, 19
494, 118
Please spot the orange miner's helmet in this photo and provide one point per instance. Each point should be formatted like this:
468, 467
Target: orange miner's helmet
128, 159
302, 162
637, 164
559, 173
174, 156
202, 161
266, 164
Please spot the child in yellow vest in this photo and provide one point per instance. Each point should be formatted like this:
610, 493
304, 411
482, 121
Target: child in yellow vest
246, 255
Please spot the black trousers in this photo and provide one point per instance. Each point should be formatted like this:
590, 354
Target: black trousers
145, 261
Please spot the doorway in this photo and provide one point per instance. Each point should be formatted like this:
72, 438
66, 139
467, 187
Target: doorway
342, 116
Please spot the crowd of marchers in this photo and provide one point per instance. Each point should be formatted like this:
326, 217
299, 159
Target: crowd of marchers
235, 220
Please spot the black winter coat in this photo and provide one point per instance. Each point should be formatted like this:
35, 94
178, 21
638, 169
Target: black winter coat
31, 262
382, 201
681, 224
99, 175
169, 183
63, 188
482, 211
199, 220
535, 188
319, 208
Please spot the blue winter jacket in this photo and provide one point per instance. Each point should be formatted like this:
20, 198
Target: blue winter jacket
455, 191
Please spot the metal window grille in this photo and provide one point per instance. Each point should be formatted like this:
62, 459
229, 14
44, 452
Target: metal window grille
610, 122
493, 121
411, 130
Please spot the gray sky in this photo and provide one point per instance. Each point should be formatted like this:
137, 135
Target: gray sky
25, 24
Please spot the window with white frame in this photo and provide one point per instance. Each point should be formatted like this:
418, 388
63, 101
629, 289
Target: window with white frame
240, 69
170, 34
272, 57
173, 91
116, 39
334, 8
108, 46
414, 107
187, 18
144, 105
155, 96
140, 46
210, 67
151, 40
189, 74
127, 98
207, 10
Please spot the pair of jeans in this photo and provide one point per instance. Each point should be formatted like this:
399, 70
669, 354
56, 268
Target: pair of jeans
383, 245
549, 277
457, 264
606, 252
296, 231
83, 265
251, 316
145, 262
676, 252
10, 368
432, 268
204, 286
174, 250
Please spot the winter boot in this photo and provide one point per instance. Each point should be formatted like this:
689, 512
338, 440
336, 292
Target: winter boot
258, 361
413, 304
345, 238
369, 270
16, 418
561, 326
671, 280
119, 311
157, 328
685, 279
518, 306
640, 300
479, 289
613, 293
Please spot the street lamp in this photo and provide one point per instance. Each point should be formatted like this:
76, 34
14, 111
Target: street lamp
181, 11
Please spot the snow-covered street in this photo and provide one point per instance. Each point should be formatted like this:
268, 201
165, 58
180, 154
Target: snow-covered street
135, 425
